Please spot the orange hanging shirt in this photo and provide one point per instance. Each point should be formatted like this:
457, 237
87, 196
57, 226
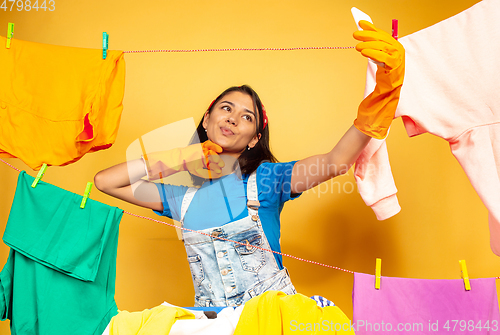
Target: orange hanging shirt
58, 103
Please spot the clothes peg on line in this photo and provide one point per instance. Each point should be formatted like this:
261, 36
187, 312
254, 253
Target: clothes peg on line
464, 274
39, 175
86, 194
105, 38
10, 33
395, 29
378, 272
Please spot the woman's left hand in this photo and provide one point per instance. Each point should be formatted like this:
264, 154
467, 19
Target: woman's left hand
376, 111
379, 46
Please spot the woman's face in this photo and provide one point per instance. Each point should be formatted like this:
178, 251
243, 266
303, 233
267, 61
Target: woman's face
232, 123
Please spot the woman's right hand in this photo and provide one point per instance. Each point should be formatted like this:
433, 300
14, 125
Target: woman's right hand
210, 167
201, 160
123, 181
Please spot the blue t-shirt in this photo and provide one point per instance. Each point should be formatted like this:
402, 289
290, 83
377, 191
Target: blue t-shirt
224, 200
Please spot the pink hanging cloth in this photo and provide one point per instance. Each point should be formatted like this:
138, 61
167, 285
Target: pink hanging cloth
450, 90
424, 306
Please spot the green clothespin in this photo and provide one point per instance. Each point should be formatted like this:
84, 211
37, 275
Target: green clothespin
10, 33
39, 175
86, 194
105, 37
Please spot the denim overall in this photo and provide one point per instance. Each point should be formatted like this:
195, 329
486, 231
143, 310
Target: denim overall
226, 273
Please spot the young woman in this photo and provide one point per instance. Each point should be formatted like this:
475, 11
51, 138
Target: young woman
241, 186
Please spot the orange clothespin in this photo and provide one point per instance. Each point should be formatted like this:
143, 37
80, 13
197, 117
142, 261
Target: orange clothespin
10, 33
39, 175
395, 28
378, 273
86, 194
464, 274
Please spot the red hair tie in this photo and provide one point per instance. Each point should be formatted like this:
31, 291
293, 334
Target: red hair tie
265, 116
263, 113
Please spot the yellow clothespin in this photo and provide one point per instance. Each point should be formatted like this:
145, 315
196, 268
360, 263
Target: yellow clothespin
39, 175
378, 271
464, 274
86, 194
105, 37
10, 33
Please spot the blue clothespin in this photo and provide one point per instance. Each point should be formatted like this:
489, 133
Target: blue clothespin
39, 175
86, 194
10, 33
105, 37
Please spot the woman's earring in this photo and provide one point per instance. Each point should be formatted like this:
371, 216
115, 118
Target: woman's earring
205, 130
249, 148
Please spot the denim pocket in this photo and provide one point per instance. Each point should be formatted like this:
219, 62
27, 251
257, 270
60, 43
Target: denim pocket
196, 269
252, 258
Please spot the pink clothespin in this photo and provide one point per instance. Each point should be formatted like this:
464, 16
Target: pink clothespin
395, 29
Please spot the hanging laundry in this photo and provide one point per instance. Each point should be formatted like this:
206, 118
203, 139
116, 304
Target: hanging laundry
58, 103
450, 90
424, 306
60, 274
274, 312
374, 179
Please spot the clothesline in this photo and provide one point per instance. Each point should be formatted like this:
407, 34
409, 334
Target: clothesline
253, 246
240, 49
221, 238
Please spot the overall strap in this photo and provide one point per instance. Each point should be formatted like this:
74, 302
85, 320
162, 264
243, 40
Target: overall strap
188, 197
253, 203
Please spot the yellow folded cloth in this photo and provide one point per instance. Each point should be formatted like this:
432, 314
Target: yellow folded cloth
155, 321
275, 312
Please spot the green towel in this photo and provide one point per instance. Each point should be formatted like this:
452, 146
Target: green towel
60, 274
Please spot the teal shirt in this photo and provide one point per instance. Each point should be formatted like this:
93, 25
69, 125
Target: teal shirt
60, 274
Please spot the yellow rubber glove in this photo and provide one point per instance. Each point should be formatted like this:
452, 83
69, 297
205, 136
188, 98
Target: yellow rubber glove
376, 111
201, 160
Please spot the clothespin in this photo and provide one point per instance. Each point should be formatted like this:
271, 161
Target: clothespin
86, 194
464, 274
104, 45
378, 271
10, 33
39, 175
395, 28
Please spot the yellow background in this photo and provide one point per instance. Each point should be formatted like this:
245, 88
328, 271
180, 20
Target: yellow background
311, 98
